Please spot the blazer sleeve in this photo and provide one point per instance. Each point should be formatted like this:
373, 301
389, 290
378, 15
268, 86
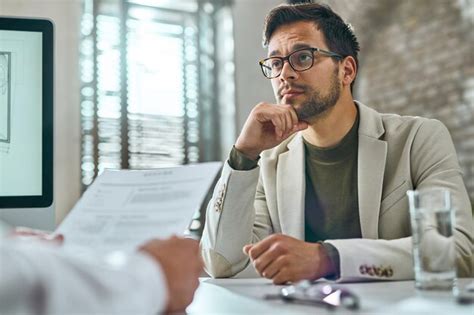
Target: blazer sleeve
236, 215
433, 164
39, 279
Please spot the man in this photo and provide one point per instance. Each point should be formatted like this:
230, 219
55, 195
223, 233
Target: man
38, 278
315, 185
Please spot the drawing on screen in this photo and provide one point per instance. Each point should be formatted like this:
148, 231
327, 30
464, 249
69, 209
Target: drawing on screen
5, 97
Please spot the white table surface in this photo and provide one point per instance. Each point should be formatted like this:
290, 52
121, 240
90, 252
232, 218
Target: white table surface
246, 296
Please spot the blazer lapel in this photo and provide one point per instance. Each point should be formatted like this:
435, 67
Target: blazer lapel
370, 169
291, 188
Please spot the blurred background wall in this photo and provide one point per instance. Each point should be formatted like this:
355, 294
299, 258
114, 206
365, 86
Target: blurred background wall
417, 58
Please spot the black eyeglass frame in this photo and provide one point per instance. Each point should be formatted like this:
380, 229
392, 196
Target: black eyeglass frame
312, 49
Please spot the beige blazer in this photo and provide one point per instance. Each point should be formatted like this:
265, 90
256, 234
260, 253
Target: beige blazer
396, 153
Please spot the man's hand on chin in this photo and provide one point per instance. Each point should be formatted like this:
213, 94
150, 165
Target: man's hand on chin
283, 259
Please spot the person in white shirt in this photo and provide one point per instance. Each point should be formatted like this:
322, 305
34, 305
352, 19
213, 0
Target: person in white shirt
40, 278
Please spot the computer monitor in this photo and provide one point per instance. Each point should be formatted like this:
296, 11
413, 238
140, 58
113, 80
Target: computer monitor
26, 122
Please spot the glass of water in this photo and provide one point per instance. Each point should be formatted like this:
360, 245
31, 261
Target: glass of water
432, 220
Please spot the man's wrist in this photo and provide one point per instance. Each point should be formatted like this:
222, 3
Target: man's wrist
332, 255
239, 161
250, 154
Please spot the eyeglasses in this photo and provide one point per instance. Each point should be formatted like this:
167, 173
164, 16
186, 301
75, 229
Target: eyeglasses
299, 60
330, 296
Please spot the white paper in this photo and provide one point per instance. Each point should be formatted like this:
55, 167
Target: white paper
123, 209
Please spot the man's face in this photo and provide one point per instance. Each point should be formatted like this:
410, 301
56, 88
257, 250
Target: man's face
311, 92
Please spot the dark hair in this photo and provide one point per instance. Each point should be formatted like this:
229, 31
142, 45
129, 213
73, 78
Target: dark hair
339, 35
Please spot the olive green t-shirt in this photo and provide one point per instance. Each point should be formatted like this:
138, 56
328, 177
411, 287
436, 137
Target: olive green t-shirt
331, 200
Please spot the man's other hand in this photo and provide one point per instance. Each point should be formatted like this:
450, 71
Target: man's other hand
181, 262
283, 259
267, 126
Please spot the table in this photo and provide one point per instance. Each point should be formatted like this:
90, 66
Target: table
246, 296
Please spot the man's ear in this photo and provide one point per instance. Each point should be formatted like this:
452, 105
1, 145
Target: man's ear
349, 69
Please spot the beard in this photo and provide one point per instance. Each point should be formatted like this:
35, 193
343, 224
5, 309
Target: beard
318, 105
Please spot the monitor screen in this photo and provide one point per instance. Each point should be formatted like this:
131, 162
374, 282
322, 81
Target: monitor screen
26, 113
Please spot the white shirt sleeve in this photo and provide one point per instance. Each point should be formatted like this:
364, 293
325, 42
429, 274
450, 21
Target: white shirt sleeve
39, 279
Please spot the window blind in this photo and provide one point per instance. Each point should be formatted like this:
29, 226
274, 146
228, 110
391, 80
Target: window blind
150, 72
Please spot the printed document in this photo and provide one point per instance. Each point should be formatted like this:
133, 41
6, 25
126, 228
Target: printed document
122, 209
